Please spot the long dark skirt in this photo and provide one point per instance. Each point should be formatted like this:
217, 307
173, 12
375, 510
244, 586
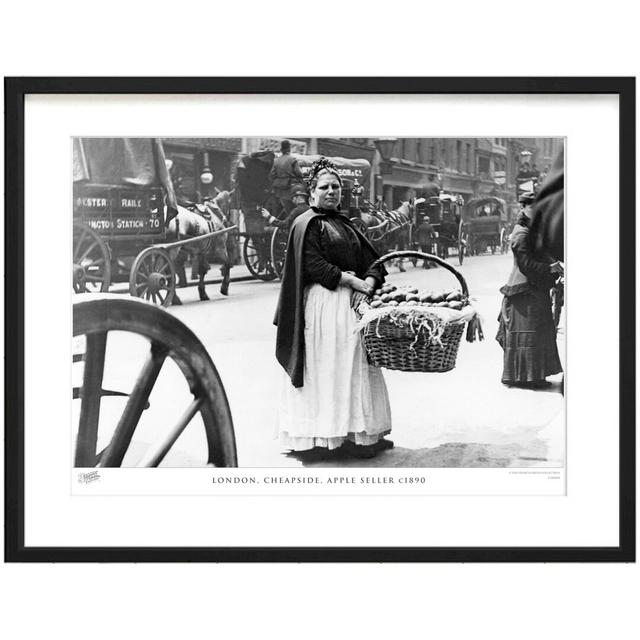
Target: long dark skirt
528, 336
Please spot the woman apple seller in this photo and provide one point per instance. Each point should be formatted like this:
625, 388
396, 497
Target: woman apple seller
330, 396
527, 332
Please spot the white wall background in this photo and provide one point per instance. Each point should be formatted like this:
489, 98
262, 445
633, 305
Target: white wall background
293, 601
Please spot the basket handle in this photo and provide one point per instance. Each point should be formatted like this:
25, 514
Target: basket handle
425, 256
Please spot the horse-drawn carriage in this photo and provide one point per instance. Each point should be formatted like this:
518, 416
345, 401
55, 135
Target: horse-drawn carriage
264, 246
484, 225
437, 226
126, 224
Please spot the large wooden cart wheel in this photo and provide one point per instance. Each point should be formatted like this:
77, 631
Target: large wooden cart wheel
91, 261
153, 276
168, 339
279, 249
463, 242
257, 256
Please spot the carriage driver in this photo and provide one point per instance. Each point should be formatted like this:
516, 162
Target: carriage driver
284, 173
300, 200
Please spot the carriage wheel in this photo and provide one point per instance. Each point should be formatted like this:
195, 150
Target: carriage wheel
279, 250
168, 338
257, 256
91, 261
504, 241
557, 303
153, 276
463, 243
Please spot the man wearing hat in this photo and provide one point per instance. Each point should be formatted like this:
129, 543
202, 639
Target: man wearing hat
526, 202
284, 173
300, 203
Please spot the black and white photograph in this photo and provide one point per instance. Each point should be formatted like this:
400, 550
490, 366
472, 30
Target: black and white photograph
318, 302
320, 320
321, 308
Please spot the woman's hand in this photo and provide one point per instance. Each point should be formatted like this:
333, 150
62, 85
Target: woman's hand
351, 280
357, 298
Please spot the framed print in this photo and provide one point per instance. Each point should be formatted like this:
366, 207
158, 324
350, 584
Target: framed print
320, 319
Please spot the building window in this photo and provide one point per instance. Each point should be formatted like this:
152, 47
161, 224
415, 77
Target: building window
484, 167
422, 151
469, 159
459, 155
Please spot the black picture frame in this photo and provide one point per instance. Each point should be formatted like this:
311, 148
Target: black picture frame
16, 89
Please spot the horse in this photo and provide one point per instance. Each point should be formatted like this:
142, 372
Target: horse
198, 221
389, 230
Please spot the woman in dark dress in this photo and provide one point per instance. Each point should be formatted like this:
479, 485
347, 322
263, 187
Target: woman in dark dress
330, 396
527, 332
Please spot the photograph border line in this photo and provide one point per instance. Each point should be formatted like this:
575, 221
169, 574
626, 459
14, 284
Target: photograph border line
15, 91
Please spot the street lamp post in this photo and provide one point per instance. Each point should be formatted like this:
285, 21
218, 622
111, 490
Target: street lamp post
206, 175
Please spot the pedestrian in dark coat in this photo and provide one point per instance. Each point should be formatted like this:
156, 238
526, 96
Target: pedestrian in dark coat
527, 332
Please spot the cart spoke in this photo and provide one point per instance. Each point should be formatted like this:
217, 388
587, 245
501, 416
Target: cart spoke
136, 403
161, 298
156, 454
79, 245
87, 251
91, 395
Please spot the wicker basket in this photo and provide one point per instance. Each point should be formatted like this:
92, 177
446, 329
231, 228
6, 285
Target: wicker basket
397, 347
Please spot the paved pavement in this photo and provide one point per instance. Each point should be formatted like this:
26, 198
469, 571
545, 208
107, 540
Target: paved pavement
465, 417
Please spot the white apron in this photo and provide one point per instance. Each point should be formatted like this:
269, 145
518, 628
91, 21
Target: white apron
342, 396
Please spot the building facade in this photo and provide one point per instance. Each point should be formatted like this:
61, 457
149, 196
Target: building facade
199, 166
469, 167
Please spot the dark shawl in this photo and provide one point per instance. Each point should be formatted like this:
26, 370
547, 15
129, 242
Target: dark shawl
290, 311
